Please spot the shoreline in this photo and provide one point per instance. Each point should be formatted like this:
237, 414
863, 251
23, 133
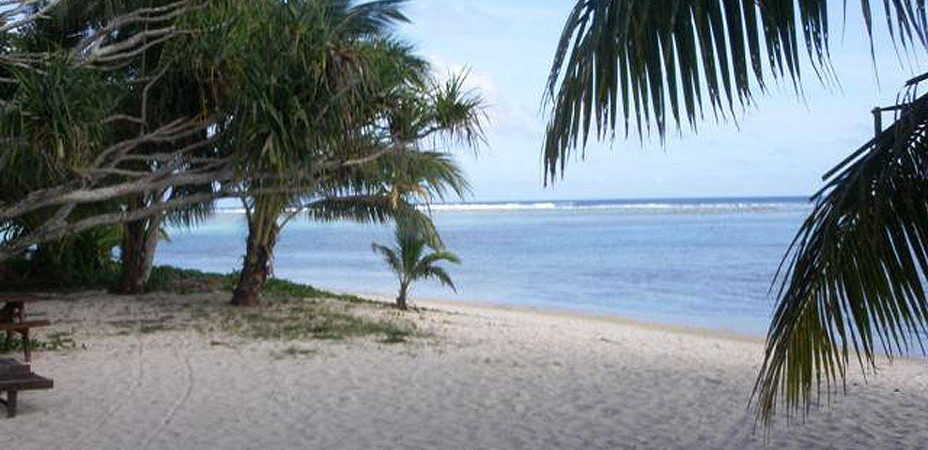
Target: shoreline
480, 306
568, 313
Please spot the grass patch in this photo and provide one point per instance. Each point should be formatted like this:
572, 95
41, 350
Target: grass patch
153, 328
188, 281
57, 341
397, 337
313, 320
289, 312
278, 289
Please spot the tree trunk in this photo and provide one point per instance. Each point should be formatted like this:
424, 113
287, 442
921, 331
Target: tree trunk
263, 230
139, 243
401, 299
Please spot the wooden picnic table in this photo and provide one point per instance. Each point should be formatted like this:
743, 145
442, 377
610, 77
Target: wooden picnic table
13, 319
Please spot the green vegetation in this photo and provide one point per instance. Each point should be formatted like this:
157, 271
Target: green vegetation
410, 263
124, 117
57, 341
852, 283
323, 320
294, 311
290, 312
387, 109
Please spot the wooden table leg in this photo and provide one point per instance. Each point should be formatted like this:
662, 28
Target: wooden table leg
26, 352
10, 403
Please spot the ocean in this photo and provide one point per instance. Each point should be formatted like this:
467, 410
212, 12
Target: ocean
706, 263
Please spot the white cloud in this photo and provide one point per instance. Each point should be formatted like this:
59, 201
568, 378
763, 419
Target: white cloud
507, 115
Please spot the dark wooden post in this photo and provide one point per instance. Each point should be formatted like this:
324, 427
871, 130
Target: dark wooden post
877, 121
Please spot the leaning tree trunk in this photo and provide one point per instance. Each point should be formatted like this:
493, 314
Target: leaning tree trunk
263, 230
139, 243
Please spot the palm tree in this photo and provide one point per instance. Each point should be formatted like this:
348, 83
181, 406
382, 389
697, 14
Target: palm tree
410, 262
851, 283
338, 90
289, 83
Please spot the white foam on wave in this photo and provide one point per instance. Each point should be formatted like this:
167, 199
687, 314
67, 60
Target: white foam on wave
491, 206
655, 207
631, 207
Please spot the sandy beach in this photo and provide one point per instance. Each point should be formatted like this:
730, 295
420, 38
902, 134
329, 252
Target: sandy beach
480, 377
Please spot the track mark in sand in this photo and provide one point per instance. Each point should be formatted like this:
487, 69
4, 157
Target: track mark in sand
167, 418
133, 387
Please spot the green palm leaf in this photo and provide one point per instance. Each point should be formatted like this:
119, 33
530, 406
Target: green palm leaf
389, 256
853, 280
437, 256
410, 261
646, 63
440, 274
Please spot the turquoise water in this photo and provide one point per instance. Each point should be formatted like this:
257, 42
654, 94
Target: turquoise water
705, 263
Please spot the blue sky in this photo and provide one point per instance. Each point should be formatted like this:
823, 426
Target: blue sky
780, 146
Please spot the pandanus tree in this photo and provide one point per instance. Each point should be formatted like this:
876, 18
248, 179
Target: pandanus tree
411, 260
304, 90
283, 78
135, 87
44, 146
47, 141
295, 110
851, 284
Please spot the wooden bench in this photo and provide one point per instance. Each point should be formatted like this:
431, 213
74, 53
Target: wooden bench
23, 383
23, 329
15, 377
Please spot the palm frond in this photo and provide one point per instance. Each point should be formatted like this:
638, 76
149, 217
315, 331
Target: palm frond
373, 17
190, 215
426, 175
411, 246
389, 256
437, 256
440, 274
357, 208
853, 279
393, 63
413, 217
649, 63
459, 112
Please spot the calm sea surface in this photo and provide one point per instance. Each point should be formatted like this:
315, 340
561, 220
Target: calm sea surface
706, 263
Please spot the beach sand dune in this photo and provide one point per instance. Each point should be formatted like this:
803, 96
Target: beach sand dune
487, 378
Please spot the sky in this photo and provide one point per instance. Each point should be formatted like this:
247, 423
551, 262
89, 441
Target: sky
780, 146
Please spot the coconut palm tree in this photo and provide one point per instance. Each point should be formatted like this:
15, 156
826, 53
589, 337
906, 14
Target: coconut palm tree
851, 284
411, 262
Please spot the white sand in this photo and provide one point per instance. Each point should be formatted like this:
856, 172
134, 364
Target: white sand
492, 378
